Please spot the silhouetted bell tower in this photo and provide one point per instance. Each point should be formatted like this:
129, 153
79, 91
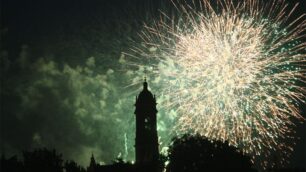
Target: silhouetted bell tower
146, 132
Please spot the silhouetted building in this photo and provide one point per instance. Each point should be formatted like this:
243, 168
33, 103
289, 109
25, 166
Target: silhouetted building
93, 165
146, 143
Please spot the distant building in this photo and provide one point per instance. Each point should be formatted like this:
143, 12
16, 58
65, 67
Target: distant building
146, 141
93, 165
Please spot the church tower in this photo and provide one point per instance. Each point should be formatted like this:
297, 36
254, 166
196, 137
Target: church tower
146, 131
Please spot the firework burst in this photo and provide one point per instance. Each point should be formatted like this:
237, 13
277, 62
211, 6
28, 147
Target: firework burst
233, 72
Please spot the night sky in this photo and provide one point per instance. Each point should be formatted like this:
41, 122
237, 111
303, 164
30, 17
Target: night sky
64, 84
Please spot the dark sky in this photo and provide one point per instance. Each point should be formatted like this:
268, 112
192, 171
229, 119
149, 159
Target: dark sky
55, 55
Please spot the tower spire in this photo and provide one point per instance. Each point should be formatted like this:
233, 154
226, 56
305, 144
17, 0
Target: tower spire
145, 84
92, 164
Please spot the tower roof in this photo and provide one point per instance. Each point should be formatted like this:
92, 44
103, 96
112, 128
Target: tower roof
145, 95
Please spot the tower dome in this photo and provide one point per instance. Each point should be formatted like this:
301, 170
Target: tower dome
145, 96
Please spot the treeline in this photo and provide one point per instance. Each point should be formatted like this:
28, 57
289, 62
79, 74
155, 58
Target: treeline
191, 153
39, 160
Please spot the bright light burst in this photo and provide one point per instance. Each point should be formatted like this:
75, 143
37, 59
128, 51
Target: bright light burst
233, 72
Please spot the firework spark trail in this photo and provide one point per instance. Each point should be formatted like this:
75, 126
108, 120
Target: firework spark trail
232, 74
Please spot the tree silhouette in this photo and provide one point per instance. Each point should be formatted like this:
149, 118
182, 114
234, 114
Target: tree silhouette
42, 160
195, 154
11, 164
71, 166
